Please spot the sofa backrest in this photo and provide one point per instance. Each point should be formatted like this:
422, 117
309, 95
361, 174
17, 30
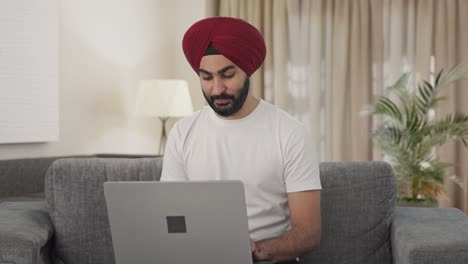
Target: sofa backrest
75, 197
357, 204
22, 177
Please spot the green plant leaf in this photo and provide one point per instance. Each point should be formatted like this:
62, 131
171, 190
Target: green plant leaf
437, 79
386, 107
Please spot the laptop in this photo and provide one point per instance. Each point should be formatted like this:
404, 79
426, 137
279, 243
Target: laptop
202, 222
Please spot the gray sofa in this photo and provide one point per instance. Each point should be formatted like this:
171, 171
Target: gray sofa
360, 222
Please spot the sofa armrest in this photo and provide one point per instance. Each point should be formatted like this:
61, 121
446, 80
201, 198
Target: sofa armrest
25, 233
429, 235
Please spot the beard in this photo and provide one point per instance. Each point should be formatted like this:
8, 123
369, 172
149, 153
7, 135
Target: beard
235, 104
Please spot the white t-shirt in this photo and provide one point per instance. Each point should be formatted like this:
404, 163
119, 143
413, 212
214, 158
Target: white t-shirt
268, 150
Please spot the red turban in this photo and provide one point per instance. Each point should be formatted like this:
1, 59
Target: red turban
234, 38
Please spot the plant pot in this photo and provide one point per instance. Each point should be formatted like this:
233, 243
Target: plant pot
409, 202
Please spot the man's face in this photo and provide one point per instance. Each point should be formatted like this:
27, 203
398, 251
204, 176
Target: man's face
225, 86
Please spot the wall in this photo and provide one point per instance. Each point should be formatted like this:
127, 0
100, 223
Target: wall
106, 47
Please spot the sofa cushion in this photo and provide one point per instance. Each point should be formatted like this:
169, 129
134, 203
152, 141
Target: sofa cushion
75, 196
358, 202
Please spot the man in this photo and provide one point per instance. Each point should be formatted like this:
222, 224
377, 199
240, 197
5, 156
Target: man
240, 137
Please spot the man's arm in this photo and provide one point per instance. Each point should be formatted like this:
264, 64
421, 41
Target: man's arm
304, 235
173, 163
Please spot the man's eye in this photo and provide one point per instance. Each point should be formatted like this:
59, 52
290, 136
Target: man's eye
207, 78
228, 76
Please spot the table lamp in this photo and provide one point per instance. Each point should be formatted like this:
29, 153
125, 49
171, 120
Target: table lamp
163, 99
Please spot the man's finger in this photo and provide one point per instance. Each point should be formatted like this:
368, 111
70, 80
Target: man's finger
253, 247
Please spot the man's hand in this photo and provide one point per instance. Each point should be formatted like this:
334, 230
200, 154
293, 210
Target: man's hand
253, 247
257, 254
304, 236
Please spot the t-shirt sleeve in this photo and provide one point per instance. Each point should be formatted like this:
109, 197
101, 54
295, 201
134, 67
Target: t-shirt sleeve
173, 163
301, 171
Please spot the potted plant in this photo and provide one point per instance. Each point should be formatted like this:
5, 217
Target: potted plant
409, 133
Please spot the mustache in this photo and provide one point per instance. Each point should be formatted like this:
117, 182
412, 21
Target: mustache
222, 96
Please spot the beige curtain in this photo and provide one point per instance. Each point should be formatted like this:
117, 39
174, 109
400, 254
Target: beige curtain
450, 48
311, 52
351, 80
328, 58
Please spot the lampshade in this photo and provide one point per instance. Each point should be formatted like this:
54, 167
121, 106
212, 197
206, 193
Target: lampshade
163, 98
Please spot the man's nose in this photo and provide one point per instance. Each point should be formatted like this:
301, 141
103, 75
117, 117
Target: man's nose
218, 86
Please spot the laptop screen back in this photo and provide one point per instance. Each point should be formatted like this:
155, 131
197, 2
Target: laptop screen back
178, 222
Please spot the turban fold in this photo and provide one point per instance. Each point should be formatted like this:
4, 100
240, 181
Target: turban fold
234, 38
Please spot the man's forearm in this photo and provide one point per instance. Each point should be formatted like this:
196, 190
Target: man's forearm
290, 245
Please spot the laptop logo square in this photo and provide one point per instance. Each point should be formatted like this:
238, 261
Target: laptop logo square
176, 224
